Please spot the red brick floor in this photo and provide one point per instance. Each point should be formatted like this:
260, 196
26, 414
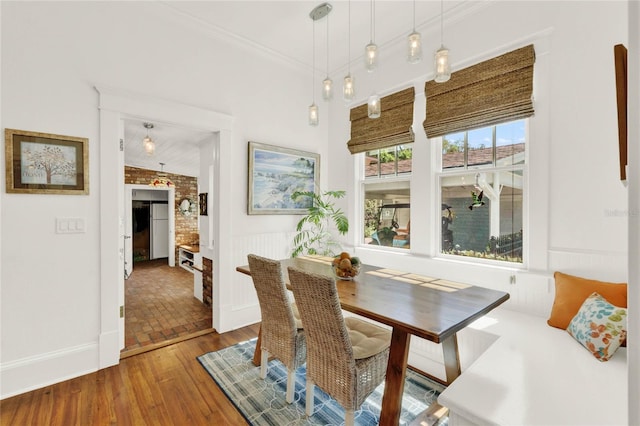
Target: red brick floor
159, 305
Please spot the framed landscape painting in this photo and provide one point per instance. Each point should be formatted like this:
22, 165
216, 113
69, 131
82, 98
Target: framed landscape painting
42, 163
275, 173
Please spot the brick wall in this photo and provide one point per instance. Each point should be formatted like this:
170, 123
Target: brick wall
185, 187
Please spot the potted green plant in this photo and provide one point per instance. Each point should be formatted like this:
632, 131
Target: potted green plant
313, 230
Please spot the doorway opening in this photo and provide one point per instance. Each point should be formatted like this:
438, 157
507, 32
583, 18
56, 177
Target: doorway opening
160, 299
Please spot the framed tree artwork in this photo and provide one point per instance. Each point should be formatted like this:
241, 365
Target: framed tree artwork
43, 163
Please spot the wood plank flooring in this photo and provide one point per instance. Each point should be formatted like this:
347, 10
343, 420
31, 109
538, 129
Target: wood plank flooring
167, 386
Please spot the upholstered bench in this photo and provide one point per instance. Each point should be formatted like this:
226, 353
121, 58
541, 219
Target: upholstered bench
534, 374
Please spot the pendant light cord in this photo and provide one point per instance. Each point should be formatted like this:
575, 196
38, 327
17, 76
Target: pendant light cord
313, 69
349, 39
372, 22
442, 22
414, 16
327, 46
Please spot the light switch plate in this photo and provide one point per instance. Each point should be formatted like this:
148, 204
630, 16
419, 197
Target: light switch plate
70, 225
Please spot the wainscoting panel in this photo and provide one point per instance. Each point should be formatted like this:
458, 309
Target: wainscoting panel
598, 265
244, 302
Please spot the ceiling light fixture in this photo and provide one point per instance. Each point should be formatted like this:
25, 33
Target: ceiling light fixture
374, 107
348, 88
147, 143
371, 50
318, 12
414, 46
162, 180
443, 69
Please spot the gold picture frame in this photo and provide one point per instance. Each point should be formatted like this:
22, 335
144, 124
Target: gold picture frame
44, 163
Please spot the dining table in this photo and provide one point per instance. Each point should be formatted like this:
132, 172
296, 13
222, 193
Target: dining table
411, 304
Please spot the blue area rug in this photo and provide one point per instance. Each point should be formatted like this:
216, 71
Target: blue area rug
262, 402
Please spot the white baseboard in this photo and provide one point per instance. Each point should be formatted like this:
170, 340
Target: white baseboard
35, 372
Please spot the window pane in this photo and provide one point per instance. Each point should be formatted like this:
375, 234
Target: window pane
453, 150
480, 147
482, 220
387, 212
388, 161
405, 158
510, 140
371, 162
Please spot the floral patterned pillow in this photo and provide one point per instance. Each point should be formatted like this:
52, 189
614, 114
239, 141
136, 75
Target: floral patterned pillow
599, 326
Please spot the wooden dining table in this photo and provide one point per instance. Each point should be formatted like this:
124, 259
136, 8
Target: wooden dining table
411, 304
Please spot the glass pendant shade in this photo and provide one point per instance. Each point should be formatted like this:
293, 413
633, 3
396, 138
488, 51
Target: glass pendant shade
327, 92
371, 57
313, 115
443, 69
373, 106
348, 88
414, 48
149, 145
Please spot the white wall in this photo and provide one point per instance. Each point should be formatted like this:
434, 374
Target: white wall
53, 54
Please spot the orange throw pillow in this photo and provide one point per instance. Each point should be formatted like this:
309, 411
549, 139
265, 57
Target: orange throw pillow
571, 292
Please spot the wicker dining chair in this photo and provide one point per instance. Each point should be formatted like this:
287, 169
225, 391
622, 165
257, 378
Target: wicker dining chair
282, 334
346, 357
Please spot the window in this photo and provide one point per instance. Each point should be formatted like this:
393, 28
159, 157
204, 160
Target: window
387, 208
393, 161
482, 192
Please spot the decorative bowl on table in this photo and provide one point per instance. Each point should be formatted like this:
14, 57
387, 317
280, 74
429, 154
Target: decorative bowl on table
345, 267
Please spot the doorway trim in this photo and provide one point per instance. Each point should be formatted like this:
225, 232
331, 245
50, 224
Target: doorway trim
115, 105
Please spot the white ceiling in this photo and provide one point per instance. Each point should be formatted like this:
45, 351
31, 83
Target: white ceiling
177, 147
285, 30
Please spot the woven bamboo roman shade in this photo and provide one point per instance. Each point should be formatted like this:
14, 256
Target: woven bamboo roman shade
491, 92
392, 128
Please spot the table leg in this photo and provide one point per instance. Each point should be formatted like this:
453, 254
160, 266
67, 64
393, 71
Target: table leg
258, 352
451, 358
396, 370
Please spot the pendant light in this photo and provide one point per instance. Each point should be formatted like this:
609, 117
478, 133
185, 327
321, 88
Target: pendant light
147, 143
327, 83
162, 180
318, 12
374, 108
443, 69
371, 50
414, 42
313, 108
371, 62
348, 88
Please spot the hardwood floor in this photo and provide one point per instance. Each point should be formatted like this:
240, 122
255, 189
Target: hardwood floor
167, 386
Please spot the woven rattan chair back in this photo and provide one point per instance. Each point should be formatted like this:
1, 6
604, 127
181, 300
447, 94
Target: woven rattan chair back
330, 356
280, 337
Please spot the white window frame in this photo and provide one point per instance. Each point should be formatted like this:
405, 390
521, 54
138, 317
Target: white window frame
438, 172
362, 183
